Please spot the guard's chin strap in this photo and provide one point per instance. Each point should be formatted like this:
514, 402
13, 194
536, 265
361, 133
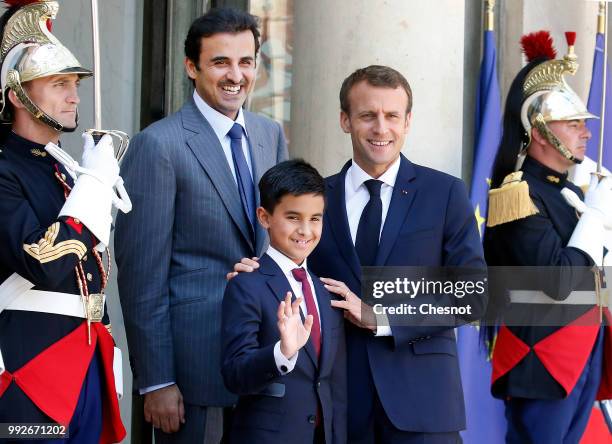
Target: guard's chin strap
13, 82
540, 124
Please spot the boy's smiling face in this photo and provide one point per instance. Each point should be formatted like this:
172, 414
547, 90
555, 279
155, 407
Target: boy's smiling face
295, 225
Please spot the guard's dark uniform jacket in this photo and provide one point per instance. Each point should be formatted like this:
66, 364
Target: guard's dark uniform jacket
545, 362
46, 355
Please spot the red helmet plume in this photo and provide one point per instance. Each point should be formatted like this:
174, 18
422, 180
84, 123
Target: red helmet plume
11, 3
538, 45
20, 3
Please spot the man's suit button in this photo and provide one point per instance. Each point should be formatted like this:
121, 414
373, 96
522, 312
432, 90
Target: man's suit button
284, 368
318, 384
312, 419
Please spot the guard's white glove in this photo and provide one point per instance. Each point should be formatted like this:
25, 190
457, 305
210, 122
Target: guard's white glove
91, 197
100, 159
589, 234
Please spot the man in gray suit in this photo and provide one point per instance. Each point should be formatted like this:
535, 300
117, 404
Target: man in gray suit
192, 177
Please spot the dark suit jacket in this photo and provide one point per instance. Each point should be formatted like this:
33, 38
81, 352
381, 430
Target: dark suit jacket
186, 230
415, 373
271, 407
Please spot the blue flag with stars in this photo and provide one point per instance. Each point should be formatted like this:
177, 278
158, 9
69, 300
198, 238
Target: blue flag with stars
485, 414
594, 106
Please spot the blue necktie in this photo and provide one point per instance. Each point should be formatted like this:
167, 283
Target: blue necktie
243, 175
368, 231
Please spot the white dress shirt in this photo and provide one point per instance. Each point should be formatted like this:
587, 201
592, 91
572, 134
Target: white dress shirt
356, 196
221, 124
283, 364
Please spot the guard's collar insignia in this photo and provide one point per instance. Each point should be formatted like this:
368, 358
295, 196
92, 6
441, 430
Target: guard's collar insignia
545, 174
38, 152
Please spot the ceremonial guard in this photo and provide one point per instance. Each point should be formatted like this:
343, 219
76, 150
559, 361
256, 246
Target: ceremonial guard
549, 375
56, 348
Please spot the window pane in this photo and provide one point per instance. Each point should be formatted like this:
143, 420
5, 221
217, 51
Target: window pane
272, 93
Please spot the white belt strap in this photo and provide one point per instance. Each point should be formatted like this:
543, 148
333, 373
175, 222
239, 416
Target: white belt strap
49, 302
574, 298
16, 294
13, 287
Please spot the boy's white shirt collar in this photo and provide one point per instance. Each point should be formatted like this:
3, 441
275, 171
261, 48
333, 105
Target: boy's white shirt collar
285, 264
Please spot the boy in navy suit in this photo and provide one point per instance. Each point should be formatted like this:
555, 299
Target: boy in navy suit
285, 355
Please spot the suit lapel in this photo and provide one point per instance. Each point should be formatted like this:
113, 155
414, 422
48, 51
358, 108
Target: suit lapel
338, 221
258, 161
207, 149
401, 201
279, 285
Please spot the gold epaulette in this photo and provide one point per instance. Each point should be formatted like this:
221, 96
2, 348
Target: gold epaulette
511, 201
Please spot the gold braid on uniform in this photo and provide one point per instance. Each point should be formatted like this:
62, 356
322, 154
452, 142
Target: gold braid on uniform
511, 201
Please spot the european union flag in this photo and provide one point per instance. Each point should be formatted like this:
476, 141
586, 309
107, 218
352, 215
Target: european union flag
488, 129
485, 414
594, 106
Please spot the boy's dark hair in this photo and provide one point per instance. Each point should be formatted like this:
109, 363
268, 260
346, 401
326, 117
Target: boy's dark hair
374, 75
215, 21
295, 177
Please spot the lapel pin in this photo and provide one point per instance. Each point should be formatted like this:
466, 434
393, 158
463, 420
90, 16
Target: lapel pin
404, 192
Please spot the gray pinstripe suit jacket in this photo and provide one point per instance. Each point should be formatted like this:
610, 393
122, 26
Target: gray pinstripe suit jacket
185, 232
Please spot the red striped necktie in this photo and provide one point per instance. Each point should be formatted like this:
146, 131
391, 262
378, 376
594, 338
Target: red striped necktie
300, 275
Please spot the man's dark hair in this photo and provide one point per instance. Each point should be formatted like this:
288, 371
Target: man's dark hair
215, 21
374, 75
295, 177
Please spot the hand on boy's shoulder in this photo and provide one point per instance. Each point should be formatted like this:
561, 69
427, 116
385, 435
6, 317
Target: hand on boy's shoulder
246, 265
355, 310
293, 333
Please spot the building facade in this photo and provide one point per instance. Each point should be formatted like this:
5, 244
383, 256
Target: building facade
308, 48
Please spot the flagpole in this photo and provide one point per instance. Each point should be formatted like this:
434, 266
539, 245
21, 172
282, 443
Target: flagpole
602, 25
489, 18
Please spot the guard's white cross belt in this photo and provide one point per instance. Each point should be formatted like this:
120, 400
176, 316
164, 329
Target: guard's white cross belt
575, 298
16, 294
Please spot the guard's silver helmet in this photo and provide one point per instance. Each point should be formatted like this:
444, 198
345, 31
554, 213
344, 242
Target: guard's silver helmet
29, 51
548, 98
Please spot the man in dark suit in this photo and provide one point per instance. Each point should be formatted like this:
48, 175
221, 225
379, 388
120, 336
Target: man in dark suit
382, 210
191, 178
290, 374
